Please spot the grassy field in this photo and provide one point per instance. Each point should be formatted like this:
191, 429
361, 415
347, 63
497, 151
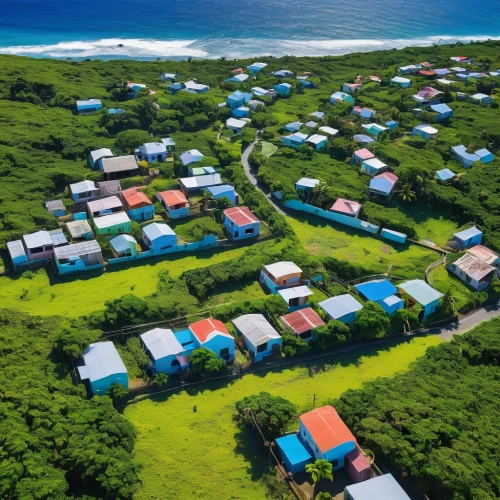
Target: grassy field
83, 294
323, 239
196, 426
268, 149
443, 281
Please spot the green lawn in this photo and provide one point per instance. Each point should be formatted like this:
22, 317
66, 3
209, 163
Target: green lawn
323, 239
443, 281
268, 149
188, 454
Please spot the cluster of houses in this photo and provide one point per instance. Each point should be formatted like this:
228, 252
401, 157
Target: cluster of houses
323, 435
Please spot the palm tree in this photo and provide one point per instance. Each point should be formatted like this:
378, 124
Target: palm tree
407, 194
320, 193
320, 469
448, 303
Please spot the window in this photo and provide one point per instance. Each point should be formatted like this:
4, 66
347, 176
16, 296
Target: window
175, 362
249, 231
224, 352
293, 302
262, 347
82, 195
36, 250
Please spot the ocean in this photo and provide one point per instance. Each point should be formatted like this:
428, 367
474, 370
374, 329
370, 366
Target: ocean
177, 29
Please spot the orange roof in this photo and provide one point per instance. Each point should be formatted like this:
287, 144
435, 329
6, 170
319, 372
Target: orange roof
427, 73
326, 428
202, 329
172, 198
135, 199
240, 215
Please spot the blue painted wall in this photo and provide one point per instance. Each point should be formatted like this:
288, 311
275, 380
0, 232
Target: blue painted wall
101, 386
143, 213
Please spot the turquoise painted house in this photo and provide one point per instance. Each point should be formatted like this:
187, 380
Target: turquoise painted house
391, 235
341, 96
305, 186
444, 175
137, 205
443, 112
224, 190
159, 237
240, 223
485, 156
342, 307
88, 106
55, 207
419, 292
382, 292
241, 112
466, 239
260, 338
391, 125
256, 67
78, 257
17, 253
283, 89
103, 367
238, 99
293, 127
116, 223
212, 334
295, 140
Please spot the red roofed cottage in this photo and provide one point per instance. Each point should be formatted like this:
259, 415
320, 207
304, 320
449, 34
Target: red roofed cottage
240, 223
212, 334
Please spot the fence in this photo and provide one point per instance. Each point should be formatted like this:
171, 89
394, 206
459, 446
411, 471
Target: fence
438, 262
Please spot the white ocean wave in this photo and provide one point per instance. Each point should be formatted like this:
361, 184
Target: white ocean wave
230, 48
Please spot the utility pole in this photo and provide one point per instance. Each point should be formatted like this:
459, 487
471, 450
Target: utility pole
314, 401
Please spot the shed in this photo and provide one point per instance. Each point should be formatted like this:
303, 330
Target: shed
240, 223
481, 99
238, 98
317, 141
402, 82
166, 353
83, 191
237, 78
317, 114
119, 167
328, 130
423, 294
294, 454
79, 229
384, 487
88, 105
295, 140
373, 166
16, 252
124, 245
81, 256
467, 238
396, 236
303, 322
195, 87
283, 89
280, 275
473, 271
484, 155
444, 175
342, 307
241, 112
109, 188
159, 237
463, 157
362, 138
443, 112
306, 186
341, 96
55, 207
358, 466
235, 125
104, 206
295, 297
293, 127
425, 130
256, 67
152, 152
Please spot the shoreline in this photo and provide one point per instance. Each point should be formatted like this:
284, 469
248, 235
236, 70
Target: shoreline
177, 50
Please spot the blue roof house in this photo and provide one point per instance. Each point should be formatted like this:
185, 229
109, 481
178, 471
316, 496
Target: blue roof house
176, 87
169, 144
294, 454
224, 190
241, 112
444, 175
283, 89
421, 293
391, 125
463, 157
237, 99
381, 292
295, 140
256, 67
103, 367
466, 239
341, 96
88, 106
159, 237
341, 307
293, 127
444, 112
191, 156
484, 155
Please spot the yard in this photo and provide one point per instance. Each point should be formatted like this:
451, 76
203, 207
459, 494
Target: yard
190, 447
443, 281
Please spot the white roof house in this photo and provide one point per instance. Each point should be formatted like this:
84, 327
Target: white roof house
77, 250
280, 269
339, 306
154, 231
196, 87
152, 148
296, 292
256, 329
317, 139
328, 130
84, 187
239, 78
38, 239
234, 123
200, 181
78, 228
101, 360
375, 164
104, 204
426, 128
161, 342
111, 220
307, 182
100, 153
191, 156
257, 65
378, 488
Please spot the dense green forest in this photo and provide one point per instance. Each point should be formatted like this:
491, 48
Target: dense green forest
438, 424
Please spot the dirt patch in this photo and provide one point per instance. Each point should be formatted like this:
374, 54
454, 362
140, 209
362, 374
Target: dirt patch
386, 250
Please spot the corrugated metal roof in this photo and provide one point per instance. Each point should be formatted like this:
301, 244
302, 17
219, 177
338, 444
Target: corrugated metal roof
468, 233
473, 267
77, 250
284, 268
161, 342
38, 239
111, 220
119, 164
109, 188
54, 205
420, 291
216, 190
172, 198
16, 249
376, 289
77, 228
302, 320
100, 153
307, 182
346, 207
104, 204
378, 488
205, 329
255, 328
339, 306
201, 181
241, 216
484, 253
295, 292
83, 187
101, 360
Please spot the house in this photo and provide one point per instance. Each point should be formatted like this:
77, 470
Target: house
294, 454
223, 191
195, 184
342, 307
152, 152
193, 171
191, 156
402, 82
40, 245
305, 186
485, 254
444, 112
392, 125
241, 112
260, 338
363, 139
425, 130
446, 81
55, 207
260, 92
374, 128
311, 124
79, 230
396, 236
295, 297
176, 87
17, 253
83, 191
293, 127
382, 185
295, 140
317, 141
169, 77
124, 245
175, 203
119, 167
169, 144
103, 367
328, 130
428, 73
467, 238
461, 59
280, 275
381, 292
473, 271
137, 205
373, 166
235, 125
442, 71
241, 223
88, 106
254, 105
304, 83
444, 175
326, 435
237, 99
419, 292
212, 334
351, 87
384, 487
346, 207
97, 155
317, 114
341, 96
363, 112
81, 256
481, 99
158, 237
116, 223
463, 157
282, 89
484, 155
238, 78
195, 87
165, 350
256, 67
303, 322
136, 87
412, 68
104, 206
361, 155
283, 73
426, 95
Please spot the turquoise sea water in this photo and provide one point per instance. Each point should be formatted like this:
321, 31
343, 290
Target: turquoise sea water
215, 28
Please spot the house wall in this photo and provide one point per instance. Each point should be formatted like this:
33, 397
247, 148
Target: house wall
393, 237
258, 356
475, 284
178, 212
143, 213
421, 133
291, 280
75, 267
471, 242
392, 308
239, 232
101, 386
126, 227
431, 308
163, 243
293, 144
218, 343
228, 194
302, 302
47, 253
164, 365
368, 169
348, 319
240, 113
90, 195
89, 107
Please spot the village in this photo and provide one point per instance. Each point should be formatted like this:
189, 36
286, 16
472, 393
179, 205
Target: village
135, 208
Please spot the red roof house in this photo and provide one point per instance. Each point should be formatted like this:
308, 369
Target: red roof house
135, 199
303, 322
241, 223
212, 334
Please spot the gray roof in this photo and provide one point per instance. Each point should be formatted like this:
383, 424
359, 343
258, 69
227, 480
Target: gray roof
155, 230
339, 306
100, 153
54, 205
420, 291
119, 164
378, 488
101, 360
57, 237
104, 204
284, 268
77, 250
15, 249
38, 239
255, 328
161, 342
200, 181
107, 188
77, 228
468, 233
